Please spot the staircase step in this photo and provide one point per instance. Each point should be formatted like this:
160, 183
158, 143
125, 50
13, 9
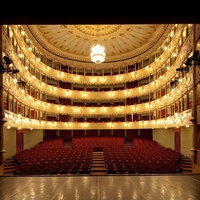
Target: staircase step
98, 164
9, 161
9, 166
98, 156
186, 161
97, 152
187, 168
98, 160
186, 164
99, 173
8, 174
97, 168
8, 171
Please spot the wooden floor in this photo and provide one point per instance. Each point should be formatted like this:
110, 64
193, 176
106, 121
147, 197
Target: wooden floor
94, 187
98, 185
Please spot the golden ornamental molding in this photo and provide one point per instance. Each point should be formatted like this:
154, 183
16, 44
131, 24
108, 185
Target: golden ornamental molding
83, 61
98, 80
19, 122
151, 106
107, 95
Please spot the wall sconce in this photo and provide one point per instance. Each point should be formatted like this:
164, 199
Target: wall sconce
181, 69
174, 82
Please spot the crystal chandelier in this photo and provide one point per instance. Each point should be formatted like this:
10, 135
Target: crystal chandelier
97, 54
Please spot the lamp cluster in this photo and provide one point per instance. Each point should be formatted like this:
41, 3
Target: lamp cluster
4, 67
193, 60
97, 54
174, 81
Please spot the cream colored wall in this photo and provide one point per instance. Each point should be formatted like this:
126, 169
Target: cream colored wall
186, 141
165, 137
9, 142
32, 137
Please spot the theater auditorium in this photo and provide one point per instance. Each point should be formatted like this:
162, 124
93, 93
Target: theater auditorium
100, 111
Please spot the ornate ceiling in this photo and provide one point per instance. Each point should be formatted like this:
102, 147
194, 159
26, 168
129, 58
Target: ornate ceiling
71, 44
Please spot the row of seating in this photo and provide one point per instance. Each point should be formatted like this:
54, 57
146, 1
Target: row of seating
144, 157
98, 141
52, 169
51, 157
149, 169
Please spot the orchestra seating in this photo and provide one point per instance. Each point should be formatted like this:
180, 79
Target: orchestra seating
51, 157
